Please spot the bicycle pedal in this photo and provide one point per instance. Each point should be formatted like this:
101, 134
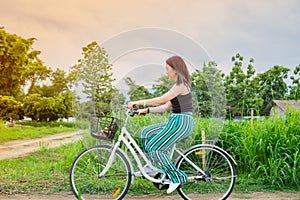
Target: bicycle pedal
160, 186
163, 186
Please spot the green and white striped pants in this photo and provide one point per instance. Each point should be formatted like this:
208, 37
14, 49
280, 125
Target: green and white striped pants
158, 139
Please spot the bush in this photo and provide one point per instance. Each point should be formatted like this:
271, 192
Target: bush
10, 108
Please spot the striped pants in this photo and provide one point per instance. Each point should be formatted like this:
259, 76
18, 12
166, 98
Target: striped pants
157, 140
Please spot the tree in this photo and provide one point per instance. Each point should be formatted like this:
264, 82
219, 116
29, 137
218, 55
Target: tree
201, 97
13, 58
35, 71
10, 108
253, 100
241, 88
272, 85
208, 91
18, 63
47, 109
295, 87
163, 85
29, 106
64, 103
42, 108
59, 83
216, 89
94, 73
136, 92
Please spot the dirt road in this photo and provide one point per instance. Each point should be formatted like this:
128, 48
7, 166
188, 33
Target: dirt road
18, 148
235, 196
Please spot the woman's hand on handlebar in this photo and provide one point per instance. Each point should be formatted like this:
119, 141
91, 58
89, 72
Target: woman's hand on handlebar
142, 112
134, 111
139, 112
132, 105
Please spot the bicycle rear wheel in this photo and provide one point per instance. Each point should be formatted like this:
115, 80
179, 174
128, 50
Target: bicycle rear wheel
218, 180
84, 179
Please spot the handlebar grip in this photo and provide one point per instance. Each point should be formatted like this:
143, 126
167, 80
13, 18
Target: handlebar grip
135, 112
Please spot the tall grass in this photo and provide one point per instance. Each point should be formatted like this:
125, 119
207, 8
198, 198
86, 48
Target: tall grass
267, 151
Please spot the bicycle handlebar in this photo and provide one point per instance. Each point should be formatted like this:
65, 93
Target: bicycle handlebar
132, 112
128, 113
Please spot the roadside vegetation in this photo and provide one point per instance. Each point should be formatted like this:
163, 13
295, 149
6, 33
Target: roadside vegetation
266, 151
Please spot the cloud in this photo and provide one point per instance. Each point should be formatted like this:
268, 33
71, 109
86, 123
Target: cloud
266, 30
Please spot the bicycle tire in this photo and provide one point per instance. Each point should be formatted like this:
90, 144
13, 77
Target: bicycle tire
85, 169
220, 173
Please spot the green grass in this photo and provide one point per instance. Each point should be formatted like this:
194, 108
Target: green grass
26, 132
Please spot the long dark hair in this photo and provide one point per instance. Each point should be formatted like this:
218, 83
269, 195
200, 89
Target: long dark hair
178, 64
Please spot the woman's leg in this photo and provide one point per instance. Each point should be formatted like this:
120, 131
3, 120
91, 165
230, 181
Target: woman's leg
148, 132
178, 127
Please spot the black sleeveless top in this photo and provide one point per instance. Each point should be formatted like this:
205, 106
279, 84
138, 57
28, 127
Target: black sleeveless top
182, 103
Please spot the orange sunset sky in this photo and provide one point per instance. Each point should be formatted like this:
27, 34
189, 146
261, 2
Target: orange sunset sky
266, 30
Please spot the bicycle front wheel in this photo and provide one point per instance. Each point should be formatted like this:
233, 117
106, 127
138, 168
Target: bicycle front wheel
84, 174
219, 175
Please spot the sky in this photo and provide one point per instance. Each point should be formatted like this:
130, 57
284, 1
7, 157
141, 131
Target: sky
140, 34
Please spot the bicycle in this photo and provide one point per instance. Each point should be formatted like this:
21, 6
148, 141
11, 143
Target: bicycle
106, 171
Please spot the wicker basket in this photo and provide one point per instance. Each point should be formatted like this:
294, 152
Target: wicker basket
104, 127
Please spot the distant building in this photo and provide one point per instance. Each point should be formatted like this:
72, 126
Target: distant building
279, 107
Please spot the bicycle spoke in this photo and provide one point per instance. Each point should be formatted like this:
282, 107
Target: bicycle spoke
219, 177
85, 180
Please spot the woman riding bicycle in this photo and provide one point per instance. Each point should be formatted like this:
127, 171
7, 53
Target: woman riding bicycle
159, 138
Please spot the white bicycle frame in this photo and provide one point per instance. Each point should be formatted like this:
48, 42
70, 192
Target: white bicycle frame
132, 145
